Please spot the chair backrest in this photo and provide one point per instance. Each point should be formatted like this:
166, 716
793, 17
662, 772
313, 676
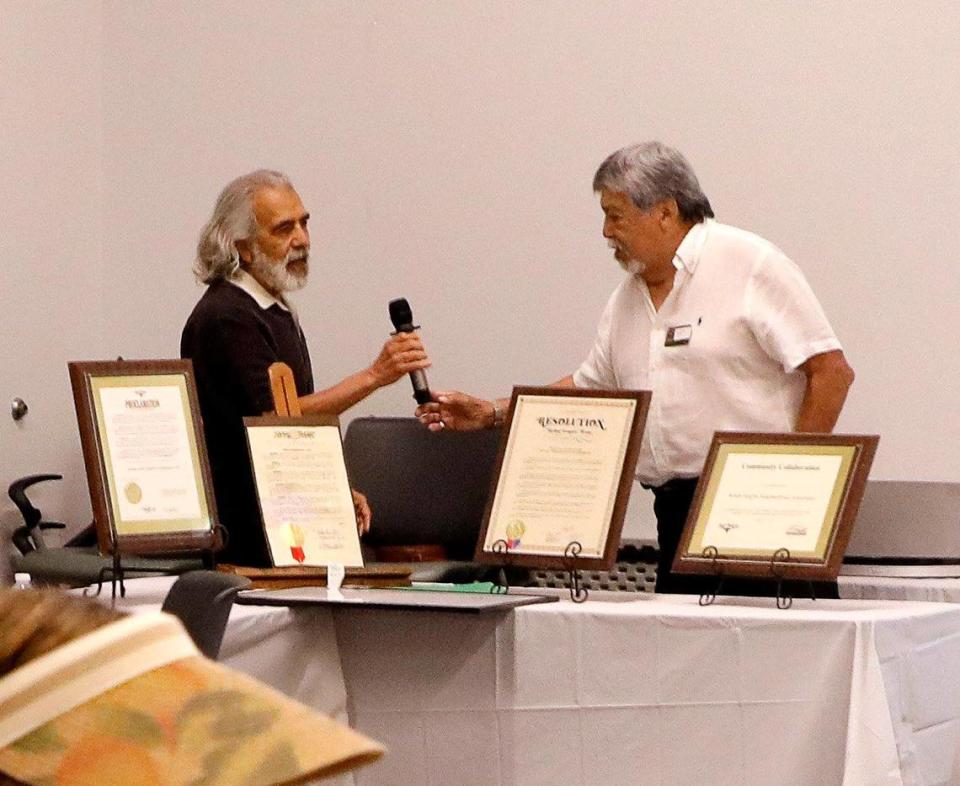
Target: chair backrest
202, 600
423, 487
29, 537
283, 387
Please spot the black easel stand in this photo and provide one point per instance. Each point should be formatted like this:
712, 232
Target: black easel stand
778, 565
780, 558
502, 585
578, 593
115, 572
708, 598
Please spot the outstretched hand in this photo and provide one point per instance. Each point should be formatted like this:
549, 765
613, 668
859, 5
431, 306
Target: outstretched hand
457, 411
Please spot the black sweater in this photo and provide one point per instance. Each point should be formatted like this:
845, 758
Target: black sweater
232, 341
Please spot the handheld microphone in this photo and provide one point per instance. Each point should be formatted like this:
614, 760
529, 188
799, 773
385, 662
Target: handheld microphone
402, 318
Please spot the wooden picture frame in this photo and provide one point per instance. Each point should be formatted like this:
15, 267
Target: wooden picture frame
145, 455
776, 505
564, 472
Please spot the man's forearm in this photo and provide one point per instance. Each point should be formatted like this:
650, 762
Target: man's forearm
494, 414
400, 355
503, 404
829, 377
339, 398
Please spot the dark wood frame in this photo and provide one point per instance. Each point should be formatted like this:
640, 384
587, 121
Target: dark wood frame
615, 525
109, 541
761, 566
293, 421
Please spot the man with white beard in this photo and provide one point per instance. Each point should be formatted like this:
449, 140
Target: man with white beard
717, 322
253, 251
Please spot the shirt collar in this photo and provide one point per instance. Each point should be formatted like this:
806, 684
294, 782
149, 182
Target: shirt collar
688, 252
256, 290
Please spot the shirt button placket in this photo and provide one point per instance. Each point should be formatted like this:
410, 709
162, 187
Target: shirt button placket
657, 337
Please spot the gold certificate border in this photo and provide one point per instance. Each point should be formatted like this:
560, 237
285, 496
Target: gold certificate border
487, 550
596, 548
856, 452
152, 526
847, 453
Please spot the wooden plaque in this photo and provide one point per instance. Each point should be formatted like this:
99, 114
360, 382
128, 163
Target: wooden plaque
775, 505
563, 475
145, 456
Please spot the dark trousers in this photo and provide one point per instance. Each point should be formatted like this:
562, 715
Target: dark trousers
671, 504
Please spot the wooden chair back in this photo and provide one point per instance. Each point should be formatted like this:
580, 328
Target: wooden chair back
284, 389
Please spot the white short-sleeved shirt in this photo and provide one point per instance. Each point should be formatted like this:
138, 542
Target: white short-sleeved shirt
752, 319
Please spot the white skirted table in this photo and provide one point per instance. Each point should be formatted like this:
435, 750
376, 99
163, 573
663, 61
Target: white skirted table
625, 688
658, 690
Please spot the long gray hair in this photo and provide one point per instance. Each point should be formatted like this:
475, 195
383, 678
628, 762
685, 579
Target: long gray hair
651, 172
232, 220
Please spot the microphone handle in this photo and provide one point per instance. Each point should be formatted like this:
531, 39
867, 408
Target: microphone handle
421, 390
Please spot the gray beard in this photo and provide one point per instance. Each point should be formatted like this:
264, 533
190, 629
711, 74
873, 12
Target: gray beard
633, 266
274, 275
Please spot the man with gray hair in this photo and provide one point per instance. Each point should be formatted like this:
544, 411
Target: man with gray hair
716, 321
253, 251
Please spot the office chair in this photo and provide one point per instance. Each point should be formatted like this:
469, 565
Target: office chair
79, 563
423, 487
427, 490
202, 600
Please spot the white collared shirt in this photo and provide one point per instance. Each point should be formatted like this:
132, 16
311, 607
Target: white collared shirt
256, 290
752, 320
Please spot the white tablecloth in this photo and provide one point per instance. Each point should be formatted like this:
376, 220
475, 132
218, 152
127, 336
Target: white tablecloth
625, 689
659, 691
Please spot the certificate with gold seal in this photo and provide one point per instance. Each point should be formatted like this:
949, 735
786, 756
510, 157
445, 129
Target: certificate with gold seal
303, 491
145, 455
563, 476
145, 438
780, 504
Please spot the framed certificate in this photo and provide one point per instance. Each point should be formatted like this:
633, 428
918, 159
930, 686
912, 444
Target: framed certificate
563, 476
305, 500
145, 456
775, 504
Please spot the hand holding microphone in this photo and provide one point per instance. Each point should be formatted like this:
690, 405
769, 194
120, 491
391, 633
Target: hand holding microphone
403, 353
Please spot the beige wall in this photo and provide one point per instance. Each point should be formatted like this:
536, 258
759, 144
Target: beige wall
445, 150
53, 271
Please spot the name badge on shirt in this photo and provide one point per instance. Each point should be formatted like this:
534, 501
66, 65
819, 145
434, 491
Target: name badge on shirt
678, 336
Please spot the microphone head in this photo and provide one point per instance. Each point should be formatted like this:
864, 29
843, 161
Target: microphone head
400, 314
